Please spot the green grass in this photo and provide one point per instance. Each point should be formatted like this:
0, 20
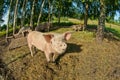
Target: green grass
67, 22
3, 33
114, 31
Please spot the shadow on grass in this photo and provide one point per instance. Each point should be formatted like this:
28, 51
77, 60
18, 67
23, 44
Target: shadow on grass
72, 48
110, 33
91, 28
63, 23
5, 73
56, 25
19, 57
113, 31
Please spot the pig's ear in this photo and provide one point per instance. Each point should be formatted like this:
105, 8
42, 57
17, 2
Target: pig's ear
48, 37
67, 35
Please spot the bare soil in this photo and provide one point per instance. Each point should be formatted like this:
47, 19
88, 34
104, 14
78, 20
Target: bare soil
83, 60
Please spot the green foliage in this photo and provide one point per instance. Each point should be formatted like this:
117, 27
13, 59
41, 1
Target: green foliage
3, 28
1, 8
67, 8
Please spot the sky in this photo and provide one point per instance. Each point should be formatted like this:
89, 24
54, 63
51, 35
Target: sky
117, 15
5, 18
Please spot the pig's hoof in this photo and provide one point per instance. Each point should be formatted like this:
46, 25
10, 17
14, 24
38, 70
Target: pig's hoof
48, 61
32, 55
53, 61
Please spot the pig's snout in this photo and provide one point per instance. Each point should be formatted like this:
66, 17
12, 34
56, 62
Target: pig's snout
64, 46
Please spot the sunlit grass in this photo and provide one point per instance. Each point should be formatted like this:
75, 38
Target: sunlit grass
67, 22
92, 24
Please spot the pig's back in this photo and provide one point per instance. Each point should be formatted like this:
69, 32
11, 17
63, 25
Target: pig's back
36, 38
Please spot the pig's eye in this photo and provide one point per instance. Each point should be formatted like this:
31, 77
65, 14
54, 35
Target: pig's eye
53, 39
60, 45
51, 42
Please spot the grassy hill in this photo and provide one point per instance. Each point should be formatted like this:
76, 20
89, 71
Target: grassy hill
84, 59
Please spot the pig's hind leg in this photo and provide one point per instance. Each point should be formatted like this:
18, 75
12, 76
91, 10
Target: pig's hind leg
53, 57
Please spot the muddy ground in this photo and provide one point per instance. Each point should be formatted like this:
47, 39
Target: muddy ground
83, 60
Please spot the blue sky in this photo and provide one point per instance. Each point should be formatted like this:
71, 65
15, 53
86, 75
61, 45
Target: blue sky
117, 15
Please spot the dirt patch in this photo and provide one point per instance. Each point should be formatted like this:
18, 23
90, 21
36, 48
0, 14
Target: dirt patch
114, 72
5, 73
85, 60
18, 42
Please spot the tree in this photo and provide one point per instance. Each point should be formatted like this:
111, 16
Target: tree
7, 30
59, 10
23, 12
86, 14
15, 17
101, 22
85, 9
49, 11
40, 13
32, 14
87, 4
104, 7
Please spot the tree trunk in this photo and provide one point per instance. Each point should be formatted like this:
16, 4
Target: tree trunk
32, 14
23, 12
59, 13
15, 17
52, 14
59, 17
52, 6
7, 30
85, 15
101, 23
38, 22
49, 11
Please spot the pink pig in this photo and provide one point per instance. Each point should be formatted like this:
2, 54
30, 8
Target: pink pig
48, 43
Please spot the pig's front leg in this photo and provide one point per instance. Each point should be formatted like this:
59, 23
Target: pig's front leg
35, 50
47, 56
30, 47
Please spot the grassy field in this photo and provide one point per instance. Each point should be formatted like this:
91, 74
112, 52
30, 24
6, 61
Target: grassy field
84, 59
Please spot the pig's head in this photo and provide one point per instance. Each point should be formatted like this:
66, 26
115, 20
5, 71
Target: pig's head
58, 42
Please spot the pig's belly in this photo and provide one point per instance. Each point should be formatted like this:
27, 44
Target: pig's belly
39, 45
